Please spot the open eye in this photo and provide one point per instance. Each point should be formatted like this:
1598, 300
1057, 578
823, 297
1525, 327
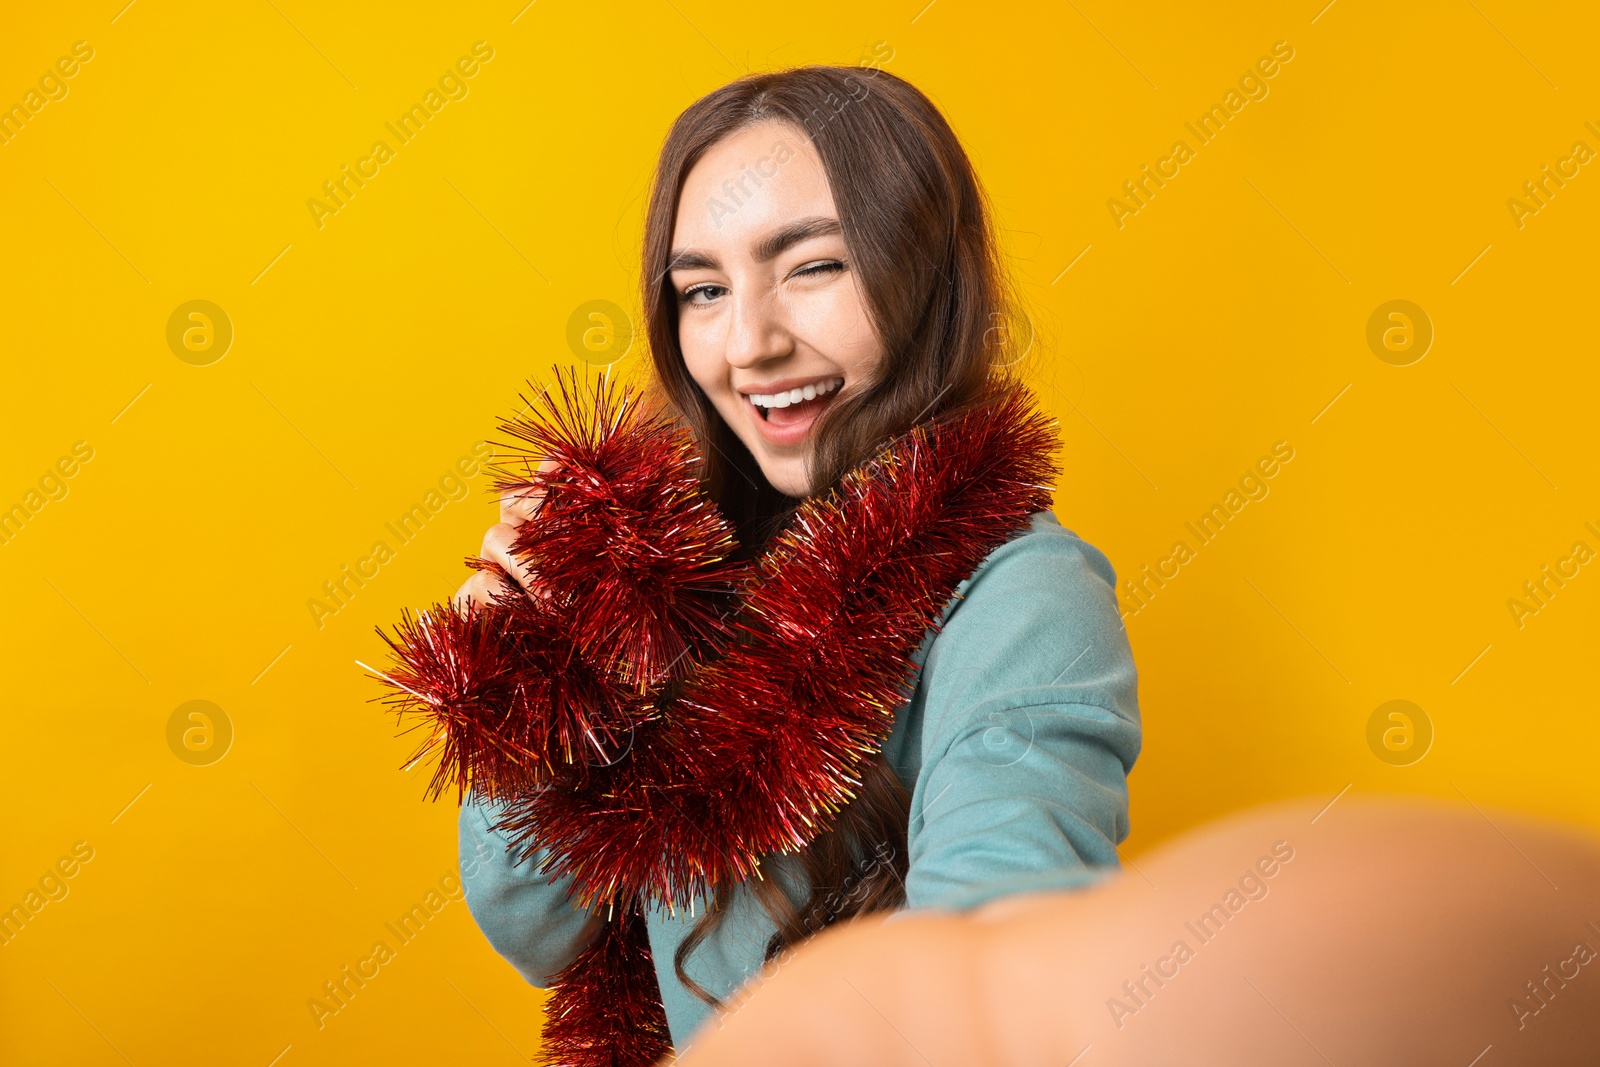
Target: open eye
702, 294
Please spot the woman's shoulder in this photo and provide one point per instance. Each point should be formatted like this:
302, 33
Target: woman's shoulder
1036, 624
1042, 561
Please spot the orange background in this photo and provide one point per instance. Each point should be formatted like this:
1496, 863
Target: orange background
1229, 313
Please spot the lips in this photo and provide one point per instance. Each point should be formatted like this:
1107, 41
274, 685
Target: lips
782, 420
791, 391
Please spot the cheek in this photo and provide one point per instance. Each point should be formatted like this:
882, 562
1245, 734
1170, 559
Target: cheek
702, 352
837, 325
705, 358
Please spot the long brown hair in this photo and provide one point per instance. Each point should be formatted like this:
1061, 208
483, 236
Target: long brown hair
917, 230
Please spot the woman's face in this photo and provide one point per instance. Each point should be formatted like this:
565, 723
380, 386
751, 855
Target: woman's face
771, 316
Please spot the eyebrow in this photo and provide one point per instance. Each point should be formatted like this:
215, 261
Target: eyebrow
767, 248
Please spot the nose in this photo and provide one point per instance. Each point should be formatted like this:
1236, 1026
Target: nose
757, 331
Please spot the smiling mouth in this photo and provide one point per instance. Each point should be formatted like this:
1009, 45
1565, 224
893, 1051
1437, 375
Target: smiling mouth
795, 405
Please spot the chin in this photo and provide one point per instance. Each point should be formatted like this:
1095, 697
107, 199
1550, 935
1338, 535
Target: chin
786, 474
788, 480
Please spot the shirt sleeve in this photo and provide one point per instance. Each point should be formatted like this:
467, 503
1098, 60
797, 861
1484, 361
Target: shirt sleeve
1030, 727
527, 919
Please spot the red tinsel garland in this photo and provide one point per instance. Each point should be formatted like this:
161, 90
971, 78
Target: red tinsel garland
660, 718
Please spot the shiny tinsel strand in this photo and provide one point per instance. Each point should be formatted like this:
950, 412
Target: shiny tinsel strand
659, 719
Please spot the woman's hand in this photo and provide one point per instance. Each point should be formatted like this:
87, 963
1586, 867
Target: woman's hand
516, 508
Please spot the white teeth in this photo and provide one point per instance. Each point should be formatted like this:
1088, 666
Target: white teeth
795, 396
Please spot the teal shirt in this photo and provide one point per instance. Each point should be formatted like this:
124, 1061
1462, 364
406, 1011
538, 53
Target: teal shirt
1015, 745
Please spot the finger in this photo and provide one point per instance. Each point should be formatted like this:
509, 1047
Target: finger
519, 505
471, 592
497, 549
481, 589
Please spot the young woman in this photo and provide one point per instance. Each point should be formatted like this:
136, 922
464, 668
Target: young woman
820, 276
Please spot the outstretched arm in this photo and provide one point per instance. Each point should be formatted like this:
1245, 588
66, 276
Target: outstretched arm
1389, 932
